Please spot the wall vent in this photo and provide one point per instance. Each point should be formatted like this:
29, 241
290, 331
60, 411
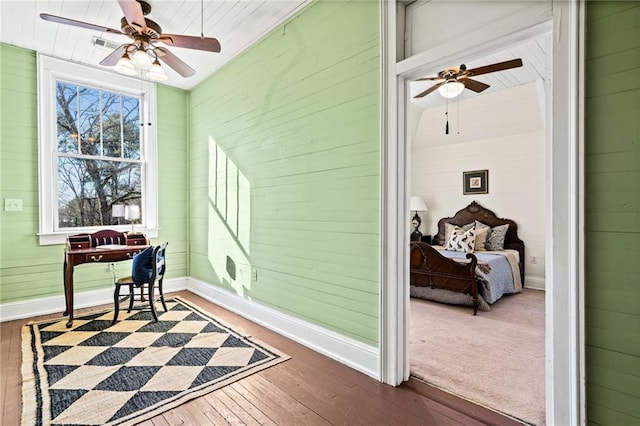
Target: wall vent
103, 43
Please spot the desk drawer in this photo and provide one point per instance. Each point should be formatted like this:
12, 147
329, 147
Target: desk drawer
108, 256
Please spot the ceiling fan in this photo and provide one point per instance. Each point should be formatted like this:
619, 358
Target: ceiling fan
142, 52
454, 80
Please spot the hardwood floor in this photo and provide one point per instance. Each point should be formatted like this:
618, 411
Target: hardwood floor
307, 389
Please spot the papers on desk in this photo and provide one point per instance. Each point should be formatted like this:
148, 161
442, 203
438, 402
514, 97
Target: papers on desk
111, 246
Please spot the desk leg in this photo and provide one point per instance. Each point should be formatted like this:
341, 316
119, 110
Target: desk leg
68, 291
64, 284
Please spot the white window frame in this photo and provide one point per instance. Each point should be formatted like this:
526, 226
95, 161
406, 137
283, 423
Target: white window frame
50, 70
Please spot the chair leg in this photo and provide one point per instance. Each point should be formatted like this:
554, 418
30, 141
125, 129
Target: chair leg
116, 300
151, 303
161, 295
131, 297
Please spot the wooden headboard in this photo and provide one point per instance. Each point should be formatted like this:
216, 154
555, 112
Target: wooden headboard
475, 211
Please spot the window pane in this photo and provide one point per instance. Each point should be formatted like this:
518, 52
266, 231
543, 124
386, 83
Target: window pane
111, 136
89, 121
67, 116
87, 189
131, 124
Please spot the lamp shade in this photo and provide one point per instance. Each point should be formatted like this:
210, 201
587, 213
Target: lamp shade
117, 210
124, 65
451, 89
132, 212
140, 59
416, 204
156, 73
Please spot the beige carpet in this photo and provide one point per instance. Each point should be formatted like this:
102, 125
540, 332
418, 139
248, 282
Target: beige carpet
495, 359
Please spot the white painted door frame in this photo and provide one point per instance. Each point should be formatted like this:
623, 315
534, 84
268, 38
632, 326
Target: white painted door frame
564, 333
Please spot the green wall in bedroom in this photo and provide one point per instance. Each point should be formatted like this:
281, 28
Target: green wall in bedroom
28, 270
612, 212
284, 170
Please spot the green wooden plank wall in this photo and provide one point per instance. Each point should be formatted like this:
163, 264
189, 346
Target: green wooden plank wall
284, 170
173, 149
28, 270
613, 213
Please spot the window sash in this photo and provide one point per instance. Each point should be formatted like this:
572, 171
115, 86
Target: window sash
142, 166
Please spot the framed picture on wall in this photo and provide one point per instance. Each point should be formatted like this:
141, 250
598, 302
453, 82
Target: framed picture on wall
475, 182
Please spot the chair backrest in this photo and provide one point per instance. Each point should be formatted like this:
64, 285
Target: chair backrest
149, 265
159, 254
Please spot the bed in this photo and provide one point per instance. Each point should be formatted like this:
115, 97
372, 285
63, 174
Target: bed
476, 279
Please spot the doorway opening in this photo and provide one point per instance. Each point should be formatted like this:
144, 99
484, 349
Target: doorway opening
564, 245
497, 358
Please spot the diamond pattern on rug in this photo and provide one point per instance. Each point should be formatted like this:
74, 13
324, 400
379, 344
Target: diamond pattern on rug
98, 373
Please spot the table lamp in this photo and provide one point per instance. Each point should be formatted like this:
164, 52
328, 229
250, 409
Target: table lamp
416, 204
117, 211
132, 213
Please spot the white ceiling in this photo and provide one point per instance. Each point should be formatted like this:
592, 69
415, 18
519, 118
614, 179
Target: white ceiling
535, 67
235, 23
514, 111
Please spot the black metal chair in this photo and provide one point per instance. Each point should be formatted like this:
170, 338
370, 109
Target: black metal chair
148, 270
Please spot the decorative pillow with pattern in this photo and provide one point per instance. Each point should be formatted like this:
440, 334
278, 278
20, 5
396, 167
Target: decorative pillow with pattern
461, 240
495, 240
449, 227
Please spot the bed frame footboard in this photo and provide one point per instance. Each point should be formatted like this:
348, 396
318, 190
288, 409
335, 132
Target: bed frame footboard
430, 269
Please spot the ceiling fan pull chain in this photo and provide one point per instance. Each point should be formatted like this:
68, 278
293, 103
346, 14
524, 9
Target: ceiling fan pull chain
446, 114
202, 19
458, 114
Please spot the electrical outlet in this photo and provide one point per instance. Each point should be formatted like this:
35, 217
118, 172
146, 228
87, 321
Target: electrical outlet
254, 274
112, 266
534, 260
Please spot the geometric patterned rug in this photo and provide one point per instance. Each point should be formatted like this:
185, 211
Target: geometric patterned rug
96, 373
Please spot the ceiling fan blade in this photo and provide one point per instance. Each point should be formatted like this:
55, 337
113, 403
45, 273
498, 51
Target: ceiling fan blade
67, 21
190, 42
174, 62
499, 66
133, 13
113, 58
429, 90
474, 85
430, 78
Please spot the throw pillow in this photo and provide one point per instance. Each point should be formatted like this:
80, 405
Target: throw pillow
449, 227
461, 240
495, 241
480, 225
481, 238
142, 266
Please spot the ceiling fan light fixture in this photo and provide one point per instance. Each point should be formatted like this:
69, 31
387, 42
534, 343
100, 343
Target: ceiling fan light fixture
124, 65
451, 89
140, 59
156, 73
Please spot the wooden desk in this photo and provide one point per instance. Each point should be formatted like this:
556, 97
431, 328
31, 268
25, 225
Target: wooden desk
78, 252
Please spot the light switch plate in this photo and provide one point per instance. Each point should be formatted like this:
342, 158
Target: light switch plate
13, 204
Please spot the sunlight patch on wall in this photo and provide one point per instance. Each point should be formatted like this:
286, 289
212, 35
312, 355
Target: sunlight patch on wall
229, 219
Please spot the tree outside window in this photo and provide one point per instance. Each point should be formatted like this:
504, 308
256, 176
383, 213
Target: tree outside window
99, 157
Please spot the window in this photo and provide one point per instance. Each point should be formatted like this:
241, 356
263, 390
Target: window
97, 150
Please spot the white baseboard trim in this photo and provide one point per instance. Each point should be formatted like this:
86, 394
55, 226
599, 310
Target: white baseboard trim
355, 354
536, 283
49, 305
